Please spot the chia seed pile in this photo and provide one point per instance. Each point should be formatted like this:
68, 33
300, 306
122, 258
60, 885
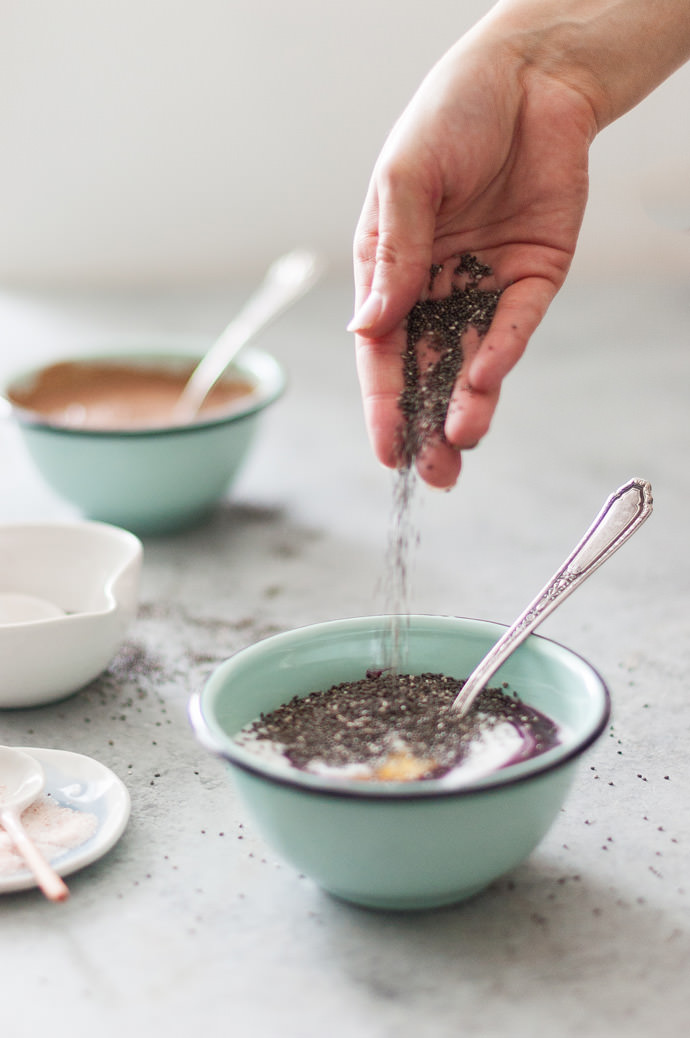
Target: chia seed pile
440, 324
363, 722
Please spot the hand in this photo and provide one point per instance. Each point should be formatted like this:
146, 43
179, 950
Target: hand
489, 158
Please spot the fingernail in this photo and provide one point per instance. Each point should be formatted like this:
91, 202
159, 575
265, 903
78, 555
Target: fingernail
368, 313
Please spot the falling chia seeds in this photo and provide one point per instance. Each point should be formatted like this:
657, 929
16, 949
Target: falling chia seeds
435, 326
392, 726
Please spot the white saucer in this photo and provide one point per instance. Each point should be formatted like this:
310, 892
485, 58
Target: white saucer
82, 784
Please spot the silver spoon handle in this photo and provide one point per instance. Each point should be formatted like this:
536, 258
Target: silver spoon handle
286, 280
620, 517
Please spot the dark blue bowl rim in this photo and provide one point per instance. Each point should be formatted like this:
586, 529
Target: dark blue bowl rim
401, 792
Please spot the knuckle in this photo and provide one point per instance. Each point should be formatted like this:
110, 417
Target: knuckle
388, 250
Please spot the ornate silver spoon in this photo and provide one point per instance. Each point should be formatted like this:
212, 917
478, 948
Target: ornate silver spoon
622, 514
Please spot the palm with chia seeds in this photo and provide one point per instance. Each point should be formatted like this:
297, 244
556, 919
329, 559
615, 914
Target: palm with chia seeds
436, 344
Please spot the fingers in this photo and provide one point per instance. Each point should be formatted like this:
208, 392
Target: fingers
392, 258
393, 245
520, 309
477, 390
379, 367
439, 465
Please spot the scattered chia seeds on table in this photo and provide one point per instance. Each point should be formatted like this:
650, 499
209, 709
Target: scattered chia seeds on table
365, 721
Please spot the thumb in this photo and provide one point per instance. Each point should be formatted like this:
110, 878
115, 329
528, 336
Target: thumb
400, 232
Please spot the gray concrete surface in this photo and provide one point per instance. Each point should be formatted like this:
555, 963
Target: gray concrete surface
190, 924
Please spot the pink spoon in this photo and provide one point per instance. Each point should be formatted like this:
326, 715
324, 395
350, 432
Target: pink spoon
21, 782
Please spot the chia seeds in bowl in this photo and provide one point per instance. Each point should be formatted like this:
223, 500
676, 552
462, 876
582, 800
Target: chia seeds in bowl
400, 727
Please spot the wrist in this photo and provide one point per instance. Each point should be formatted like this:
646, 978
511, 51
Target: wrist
612, 52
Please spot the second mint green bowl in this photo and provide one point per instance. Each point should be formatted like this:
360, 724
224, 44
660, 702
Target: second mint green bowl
400, 845
152, 481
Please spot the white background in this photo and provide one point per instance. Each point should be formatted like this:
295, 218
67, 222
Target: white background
165, 143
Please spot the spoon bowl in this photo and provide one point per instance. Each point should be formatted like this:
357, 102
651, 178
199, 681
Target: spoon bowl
22, 781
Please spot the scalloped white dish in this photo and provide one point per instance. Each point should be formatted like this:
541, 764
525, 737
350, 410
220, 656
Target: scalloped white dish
89, 572
82, 784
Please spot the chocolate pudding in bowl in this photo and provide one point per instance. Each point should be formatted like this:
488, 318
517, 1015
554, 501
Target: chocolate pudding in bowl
119, 394
102, 431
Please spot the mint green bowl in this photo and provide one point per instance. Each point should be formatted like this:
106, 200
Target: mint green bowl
151, 481
400, 845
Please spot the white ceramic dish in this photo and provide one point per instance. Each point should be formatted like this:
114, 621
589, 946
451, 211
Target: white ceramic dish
83, 784
90, 571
